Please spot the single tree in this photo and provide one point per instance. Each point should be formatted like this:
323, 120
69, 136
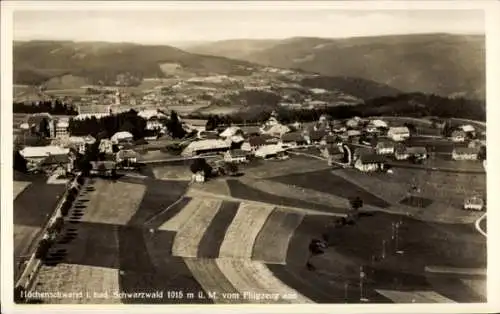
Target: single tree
19, 162
412, 128
482, 153
356, 203
232, 168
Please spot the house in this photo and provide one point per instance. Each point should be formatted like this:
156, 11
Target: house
231, 131
418, 152
236, 156
250, 130
103, 168
378, 124
399, 133
198, 177
467, 128
152, 114
458, 136
384, 147
353, 123
127, 156
314, 137
369, 162
276, 130
206, 146
35, 124
255, 142
106, 146
293, 139
122, 137
35, 155
208, 135
270, 151
464, 153
61, 128
332, 152
358, 151
60, 164
474, 203
401, 152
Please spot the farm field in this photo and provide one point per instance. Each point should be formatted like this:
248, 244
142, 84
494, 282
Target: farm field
340, 204
327, 182
111, 202
354, 246
242, 191
19, 186
29, 215
169, 172
259, 169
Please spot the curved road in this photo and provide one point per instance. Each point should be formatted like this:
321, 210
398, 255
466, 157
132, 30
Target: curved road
478, 225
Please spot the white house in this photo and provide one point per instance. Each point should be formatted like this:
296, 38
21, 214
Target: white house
385, 148
61, 128
198, 177
464, 153
467, 128
122, 136
35, 155
126, 155
474, 203
378, 124
206, 146
236, 156
399, 133
353, 123
275, 130
269, 151
148, 114
369, 162
106, 146
231, 131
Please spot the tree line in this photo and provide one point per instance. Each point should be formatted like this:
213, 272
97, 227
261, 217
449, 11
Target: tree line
55, 107
411, 105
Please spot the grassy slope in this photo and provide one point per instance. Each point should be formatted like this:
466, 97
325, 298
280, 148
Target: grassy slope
435, 63
38, 61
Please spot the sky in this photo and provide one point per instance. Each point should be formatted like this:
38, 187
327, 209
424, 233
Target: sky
164, 27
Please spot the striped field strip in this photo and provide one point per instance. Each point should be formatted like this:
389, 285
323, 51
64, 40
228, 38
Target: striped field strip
190, 234
271, 244
240, 236
210, 277
253, 278
183, 216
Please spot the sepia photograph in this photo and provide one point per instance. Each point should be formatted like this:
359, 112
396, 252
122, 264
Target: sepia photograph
266, 153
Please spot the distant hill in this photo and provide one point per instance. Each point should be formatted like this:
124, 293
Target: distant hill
443, 64
232, 48
38, 61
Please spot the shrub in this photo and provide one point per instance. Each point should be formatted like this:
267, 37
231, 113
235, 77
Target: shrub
19, 294
42, 249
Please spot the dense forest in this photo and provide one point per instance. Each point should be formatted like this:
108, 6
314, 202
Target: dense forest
411, 105
55, 107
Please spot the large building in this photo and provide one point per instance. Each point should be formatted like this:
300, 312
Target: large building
61, 128
399, 133
206, 146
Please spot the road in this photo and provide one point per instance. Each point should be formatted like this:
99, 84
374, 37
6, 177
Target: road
478, 225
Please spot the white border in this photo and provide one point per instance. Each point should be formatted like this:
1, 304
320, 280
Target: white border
492, 15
